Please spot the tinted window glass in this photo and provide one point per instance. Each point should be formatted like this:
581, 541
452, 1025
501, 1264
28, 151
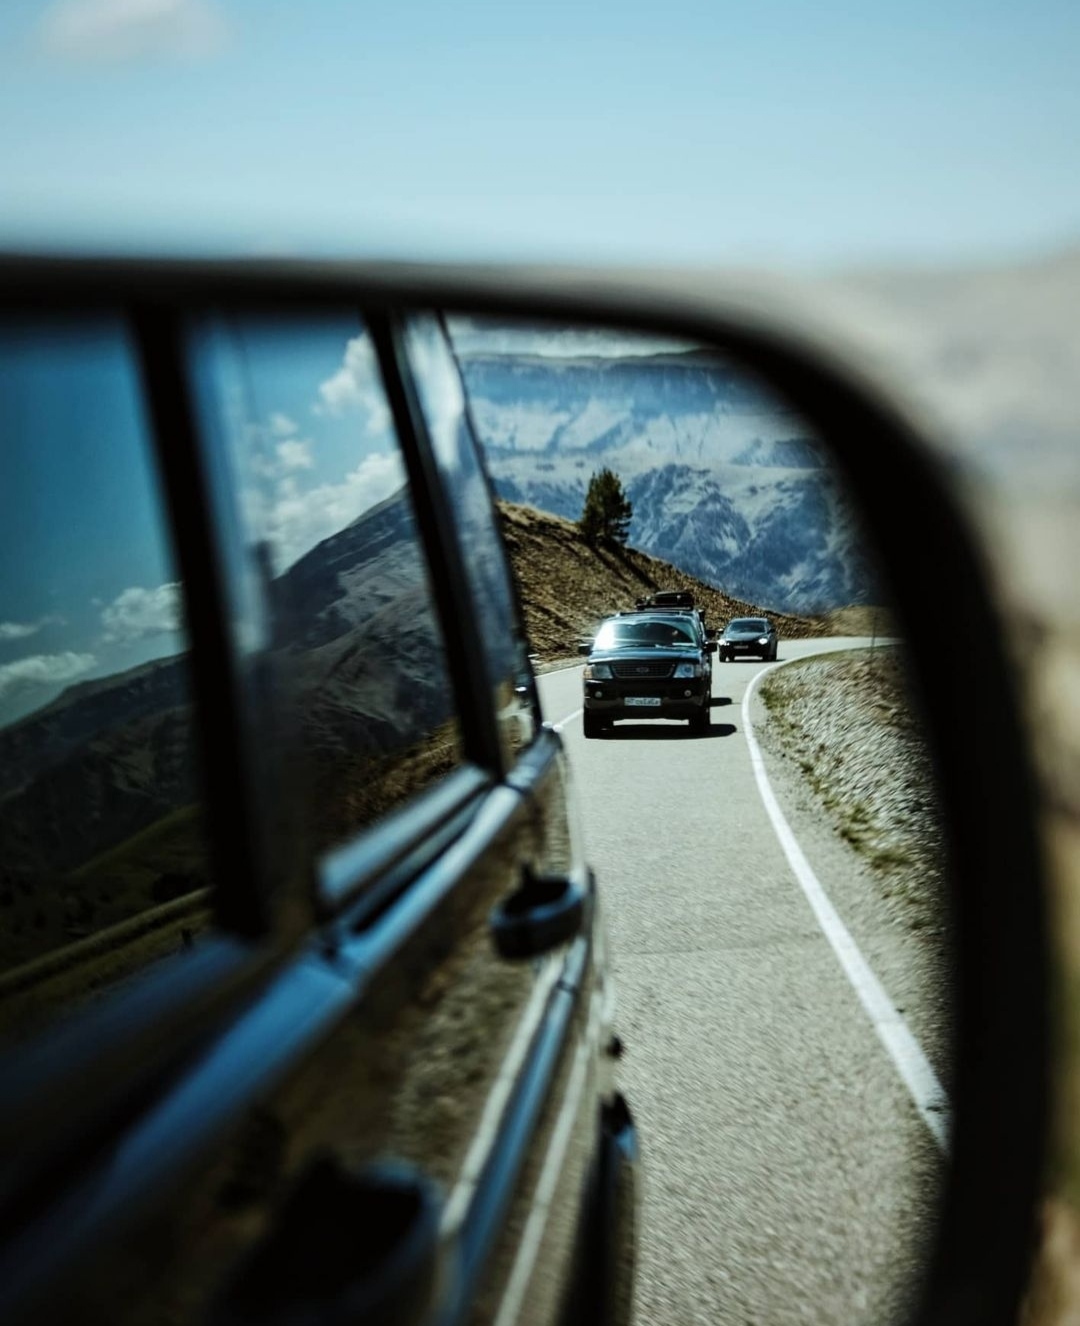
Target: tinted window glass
358, 666
442, 399
102, 865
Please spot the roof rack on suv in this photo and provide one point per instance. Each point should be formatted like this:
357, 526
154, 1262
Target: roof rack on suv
667, 598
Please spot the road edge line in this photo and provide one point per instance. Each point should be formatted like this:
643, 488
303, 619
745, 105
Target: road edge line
909, 1059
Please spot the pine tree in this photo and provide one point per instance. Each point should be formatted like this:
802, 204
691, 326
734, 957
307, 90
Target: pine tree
605, 517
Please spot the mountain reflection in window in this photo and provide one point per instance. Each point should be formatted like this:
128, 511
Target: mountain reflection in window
102, 862
483, 555
358, 663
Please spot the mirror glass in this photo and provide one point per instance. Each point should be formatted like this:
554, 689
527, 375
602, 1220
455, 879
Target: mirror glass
758, 804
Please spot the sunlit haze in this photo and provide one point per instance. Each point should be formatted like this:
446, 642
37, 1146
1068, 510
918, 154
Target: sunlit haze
691, 132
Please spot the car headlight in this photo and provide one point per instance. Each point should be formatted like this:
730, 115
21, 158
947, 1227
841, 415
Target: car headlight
684, 670
763, 640
597, 671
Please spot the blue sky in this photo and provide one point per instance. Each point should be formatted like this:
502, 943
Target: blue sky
87, 586
692, 131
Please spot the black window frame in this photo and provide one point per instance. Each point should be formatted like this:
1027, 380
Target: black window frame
504, 762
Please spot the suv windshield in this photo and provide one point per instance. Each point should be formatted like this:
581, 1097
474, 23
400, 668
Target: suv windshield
619, 633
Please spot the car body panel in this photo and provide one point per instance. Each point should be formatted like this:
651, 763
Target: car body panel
335, 1043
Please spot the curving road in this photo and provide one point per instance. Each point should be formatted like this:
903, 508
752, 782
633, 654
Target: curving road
789, 1175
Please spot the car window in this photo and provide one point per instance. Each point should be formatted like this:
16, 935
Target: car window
102, 862
442, 400
613, 634
360, 696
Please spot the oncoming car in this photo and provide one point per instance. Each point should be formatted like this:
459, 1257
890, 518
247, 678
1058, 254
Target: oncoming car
648, 664
748, 635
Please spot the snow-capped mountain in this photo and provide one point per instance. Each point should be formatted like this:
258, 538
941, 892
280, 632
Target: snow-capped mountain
725, 482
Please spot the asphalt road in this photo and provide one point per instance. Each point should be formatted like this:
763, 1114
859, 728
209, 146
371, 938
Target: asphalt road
788, 1175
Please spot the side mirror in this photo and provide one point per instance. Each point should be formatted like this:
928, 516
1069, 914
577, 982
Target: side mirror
979, 1119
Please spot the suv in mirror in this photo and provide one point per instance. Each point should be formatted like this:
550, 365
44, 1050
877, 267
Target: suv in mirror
650, 664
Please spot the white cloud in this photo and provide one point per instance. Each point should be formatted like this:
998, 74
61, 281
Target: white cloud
294, 454
282, 426
357, 386
275, 460
44, 670
22, 630
131, 29
295, 521
138, 613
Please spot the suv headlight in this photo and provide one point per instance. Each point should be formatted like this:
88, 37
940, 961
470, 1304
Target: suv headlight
685, 670
598, 672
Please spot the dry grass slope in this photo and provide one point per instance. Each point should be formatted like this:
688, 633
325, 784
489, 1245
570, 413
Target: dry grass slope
568, 587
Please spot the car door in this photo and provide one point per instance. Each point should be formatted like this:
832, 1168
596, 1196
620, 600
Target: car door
534, 1268
350, 1117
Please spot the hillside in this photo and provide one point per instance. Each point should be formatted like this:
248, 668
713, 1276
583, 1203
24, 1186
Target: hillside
567, 587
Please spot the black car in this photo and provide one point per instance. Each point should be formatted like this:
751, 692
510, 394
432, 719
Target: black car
747, 635
649, 664
302, 984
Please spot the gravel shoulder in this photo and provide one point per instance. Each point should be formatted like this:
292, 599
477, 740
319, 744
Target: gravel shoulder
844, 751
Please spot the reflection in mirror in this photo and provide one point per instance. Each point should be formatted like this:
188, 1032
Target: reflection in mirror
795, 1147
455, 453
357, 662
102, 862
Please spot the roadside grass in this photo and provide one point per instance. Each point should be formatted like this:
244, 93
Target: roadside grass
844, 720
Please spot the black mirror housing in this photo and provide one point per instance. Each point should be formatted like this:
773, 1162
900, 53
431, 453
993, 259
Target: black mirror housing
971, 707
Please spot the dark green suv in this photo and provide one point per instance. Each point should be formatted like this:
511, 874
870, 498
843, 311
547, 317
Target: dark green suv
646, 665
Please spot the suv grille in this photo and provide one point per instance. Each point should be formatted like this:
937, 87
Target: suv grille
643, 669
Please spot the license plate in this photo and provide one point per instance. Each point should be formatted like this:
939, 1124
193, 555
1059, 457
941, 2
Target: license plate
644, 701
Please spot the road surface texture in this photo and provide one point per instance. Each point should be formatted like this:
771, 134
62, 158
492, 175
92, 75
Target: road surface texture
788, 1175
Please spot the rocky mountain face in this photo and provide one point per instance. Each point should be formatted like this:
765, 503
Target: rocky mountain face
726, 483
83, 713
100, 771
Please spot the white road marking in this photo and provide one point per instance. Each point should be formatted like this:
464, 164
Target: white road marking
905, 1051
568, 719
567, 667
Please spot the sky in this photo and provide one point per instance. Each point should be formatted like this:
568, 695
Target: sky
88, 587
693, 131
